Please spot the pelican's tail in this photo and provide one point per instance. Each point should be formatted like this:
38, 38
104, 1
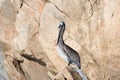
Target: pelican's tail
81, 73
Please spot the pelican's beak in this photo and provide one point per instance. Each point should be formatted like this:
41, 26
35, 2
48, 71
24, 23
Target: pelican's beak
59, 26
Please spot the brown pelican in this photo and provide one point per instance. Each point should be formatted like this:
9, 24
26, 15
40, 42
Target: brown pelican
66, 52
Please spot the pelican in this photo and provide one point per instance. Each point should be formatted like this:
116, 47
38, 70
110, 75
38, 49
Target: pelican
66, 52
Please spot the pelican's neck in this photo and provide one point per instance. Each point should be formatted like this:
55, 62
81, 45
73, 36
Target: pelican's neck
60, 35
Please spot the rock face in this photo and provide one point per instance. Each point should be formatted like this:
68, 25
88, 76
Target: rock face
3, 73
28, 36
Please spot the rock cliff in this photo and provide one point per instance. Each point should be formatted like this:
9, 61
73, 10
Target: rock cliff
28, 36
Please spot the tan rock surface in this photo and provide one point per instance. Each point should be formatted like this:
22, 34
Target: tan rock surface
29, 30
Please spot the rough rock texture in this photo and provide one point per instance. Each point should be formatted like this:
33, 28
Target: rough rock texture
3, 73
29, 30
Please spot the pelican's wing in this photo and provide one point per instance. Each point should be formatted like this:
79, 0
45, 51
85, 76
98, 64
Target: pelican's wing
71, 53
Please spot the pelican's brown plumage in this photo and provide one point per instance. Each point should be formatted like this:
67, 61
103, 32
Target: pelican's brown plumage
66, 52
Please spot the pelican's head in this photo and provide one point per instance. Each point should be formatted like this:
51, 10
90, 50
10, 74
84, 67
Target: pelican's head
62, 24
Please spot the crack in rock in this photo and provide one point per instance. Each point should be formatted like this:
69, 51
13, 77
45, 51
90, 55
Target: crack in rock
17, 64
24, 2
59, 9
64, 77
31, 58
18, 67
21, 4
91, 9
